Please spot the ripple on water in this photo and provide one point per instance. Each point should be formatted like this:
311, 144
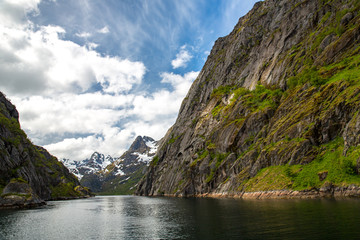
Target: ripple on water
132, 217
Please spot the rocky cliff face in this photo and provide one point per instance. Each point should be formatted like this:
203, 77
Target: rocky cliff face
275, 107
28, 173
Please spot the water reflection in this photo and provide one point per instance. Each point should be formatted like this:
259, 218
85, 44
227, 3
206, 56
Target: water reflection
130, 217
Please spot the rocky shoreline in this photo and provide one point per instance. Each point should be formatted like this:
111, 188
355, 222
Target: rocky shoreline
334, 192
19, 195
21, 204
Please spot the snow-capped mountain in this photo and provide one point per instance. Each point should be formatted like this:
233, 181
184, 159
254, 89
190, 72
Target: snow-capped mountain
115, 175
140, 153
97, 162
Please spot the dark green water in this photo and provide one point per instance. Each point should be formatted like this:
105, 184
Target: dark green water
130, 217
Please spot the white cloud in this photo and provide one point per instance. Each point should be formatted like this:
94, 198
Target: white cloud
84, 35
13, 12
164, 102
112, 142
92, 45
41, 61
182, 58
181, 84
71, 146
70, 113
104, 30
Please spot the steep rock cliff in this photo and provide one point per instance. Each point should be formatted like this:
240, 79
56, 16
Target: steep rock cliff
28, 173
275, 107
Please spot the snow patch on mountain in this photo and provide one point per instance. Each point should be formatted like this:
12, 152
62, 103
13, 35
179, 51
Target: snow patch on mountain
119, 172
152, 145
147, 156
97, 162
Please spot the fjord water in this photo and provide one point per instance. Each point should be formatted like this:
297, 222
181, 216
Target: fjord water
132, 217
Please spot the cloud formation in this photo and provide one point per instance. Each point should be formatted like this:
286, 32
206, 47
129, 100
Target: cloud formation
104, 30
84, 35
40, 61
98, 114
14, 12
182, 58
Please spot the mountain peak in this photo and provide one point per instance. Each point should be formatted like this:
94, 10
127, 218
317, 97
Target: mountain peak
140, 144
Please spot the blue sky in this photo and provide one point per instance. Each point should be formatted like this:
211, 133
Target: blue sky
91, 75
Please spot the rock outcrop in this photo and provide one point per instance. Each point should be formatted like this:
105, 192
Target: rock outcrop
274, 107
19, 194
28, 173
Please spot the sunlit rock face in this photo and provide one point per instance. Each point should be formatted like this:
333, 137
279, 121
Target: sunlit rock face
275, 96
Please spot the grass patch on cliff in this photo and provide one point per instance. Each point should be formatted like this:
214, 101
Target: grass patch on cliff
201, 155
347, 69
218, 158
221, 91
126, 186
262, 98
179, 186
174, 138
12, 124
257, 100
338, 169
326, 38
14, 127
216, 111
63, 190
270, 178
22, 195
154, 161
308, 75
18, 180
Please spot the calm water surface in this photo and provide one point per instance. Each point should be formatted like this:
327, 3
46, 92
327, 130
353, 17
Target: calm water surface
130, 217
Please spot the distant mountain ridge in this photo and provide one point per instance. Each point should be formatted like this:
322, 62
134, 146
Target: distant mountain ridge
96, 162
115, 175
